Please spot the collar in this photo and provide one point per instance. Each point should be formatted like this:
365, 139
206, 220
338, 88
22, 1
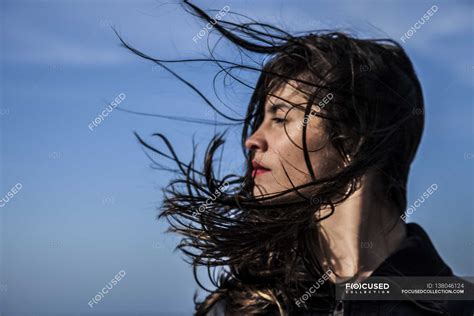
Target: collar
416, 256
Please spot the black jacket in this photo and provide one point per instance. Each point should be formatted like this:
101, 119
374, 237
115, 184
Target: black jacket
416, 257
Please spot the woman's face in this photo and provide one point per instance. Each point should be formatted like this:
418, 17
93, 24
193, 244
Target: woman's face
278, 143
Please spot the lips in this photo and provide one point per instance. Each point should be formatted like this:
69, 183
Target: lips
258, 169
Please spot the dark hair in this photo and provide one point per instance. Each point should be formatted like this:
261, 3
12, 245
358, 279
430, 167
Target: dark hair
260, 251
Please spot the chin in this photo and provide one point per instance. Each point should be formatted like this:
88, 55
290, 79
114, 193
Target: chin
261, 189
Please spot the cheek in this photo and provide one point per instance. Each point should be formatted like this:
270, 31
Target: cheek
326, 162
293, 160
321, 155
315, 135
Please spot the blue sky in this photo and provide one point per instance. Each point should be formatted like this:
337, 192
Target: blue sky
88, 199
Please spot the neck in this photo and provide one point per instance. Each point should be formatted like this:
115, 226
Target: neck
360, 234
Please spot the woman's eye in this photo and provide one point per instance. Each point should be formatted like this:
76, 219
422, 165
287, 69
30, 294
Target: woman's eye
278, 120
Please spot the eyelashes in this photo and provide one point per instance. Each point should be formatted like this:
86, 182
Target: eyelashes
282, 120
278, 120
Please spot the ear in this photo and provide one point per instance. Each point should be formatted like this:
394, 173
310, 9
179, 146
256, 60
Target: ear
350, 156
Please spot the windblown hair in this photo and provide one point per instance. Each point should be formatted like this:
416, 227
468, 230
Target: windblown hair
260, 251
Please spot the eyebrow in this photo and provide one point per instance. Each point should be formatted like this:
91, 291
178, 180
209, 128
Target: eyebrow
277, 106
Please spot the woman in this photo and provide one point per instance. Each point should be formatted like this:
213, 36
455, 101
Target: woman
331, 129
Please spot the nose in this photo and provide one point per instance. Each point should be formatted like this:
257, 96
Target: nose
256, 142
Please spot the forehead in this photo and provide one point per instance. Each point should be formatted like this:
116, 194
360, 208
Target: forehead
288, 93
